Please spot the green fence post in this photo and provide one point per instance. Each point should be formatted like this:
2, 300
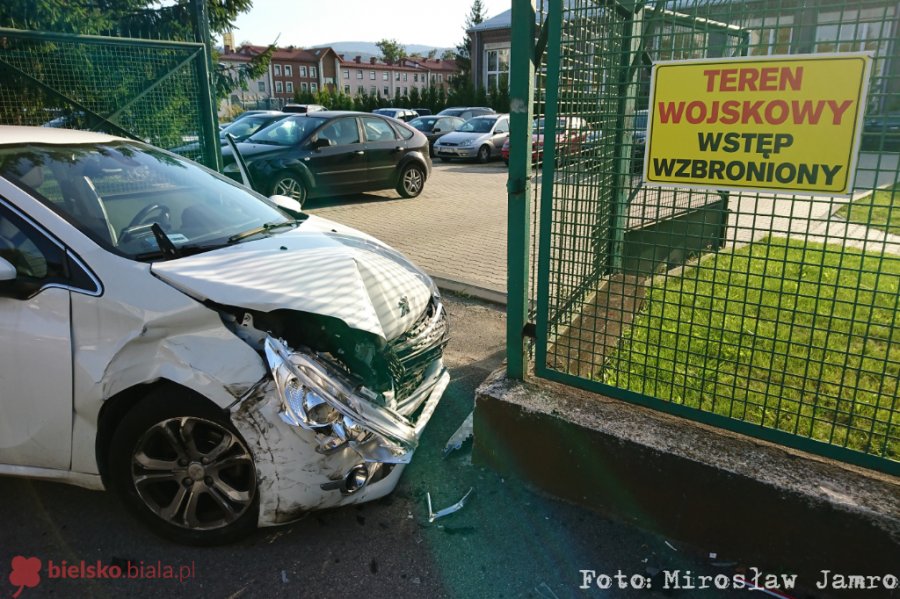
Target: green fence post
209, 136
519, 184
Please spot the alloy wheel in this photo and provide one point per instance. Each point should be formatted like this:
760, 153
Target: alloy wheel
194, 473
291, 188
412, 181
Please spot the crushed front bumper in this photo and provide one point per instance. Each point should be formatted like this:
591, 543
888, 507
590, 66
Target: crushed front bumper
320, 442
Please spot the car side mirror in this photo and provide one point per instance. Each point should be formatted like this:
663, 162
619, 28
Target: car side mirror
289, 205
7, 271
322, 142
13, 286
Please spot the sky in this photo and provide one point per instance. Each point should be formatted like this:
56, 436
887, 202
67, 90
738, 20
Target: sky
306, 23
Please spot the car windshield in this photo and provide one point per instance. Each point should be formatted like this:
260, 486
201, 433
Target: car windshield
129, 197
244, 128
477, 125
286, 132
425, 124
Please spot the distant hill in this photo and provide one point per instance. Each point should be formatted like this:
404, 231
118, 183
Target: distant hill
369, 49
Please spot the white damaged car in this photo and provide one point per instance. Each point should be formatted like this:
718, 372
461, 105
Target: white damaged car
220, 359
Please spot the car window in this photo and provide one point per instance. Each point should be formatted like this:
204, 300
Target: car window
342, 132
287, 132
377, 130
425, 124
116, 192
405, 132
502, 126
34, 256
477, 125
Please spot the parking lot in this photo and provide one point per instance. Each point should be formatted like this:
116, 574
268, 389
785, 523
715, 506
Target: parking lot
455, 230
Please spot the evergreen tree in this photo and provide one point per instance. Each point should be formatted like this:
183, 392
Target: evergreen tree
477, 14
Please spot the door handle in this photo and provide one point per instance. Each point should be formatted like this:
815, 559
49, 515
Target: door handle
399, 149
360, 152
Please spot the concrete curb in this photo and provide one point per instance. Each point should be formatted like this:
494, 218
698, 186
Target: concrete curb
464, 288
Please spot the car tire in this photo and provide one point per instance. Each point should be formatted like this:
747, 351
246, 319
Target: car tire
181, 467
412, 181
484, 154
287, 184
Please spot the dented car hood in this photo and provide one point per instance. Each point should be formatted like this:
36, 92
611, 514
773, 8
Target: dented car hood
318, 267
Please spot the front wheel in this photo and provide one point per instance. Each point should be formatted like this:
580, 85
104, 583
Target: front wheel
182, 468
289, 185
412, 181
484, 154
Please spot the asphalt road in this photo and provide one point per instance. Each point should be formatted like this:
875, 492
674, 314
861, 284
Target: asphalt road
507, 541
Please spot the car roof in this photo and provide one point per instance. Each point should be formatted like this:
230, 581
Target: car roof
328, 114
15, 134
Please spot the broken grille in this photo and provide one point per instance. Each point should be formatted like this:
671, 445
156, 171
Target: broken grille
410, 354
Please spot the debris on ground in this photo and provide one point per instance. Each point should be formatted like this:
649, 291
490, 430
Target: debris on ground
462, 434
432, 515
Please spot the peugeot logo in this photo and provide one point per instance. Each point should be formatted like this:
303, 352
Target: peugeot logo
403, 304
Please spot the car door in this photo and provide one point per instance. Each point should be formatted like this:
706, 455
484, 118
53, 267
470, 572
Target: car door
383, 150
36, 348
341, 166
499, 135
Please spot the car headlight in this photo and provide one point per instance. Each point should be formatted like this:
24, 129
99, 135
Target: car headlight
317, 397
467, 142
306, 407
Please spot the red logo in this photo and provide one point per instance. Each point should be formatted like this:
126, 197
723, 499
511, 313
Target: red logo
26, 572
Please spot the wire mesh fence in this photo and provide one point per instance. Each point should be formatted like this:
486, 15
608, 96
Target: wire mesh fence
769, 311
143, 89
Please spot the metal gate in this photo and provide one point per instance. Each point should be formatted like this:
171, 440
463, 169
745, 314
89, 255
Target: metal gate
151, 90
771, 314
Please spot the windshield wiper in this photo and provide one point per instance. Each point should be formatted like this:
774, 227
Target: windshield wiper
266, 228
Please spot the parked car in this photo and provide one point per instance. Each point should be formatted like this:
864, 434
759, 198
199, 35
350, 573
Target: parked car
882, 132
435, 127
303, 108
219, 362
423, 111
466, 113
401, 114
480, 138
334, 153
245, 114
571, 133
241, 129
638, 141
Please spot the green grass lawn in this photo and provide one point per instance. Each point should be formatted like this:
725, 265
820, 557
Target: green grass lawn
796, 336
879, 210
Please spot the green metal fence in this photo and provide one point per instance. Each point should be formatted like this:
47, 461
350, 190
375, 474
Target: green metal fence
155, 91
771, 313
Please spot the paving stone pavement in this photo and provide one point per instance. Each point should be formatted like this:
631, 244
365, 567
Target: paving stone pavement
455, 230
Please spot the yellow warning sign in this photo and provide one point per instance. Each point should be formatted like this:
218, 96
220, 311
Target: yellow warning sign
778, 123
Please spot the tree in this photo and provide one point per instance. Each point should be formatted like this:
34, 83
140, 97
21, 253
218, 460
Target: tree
432, 54
391, 50
476, 15
162, 119
448, 55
